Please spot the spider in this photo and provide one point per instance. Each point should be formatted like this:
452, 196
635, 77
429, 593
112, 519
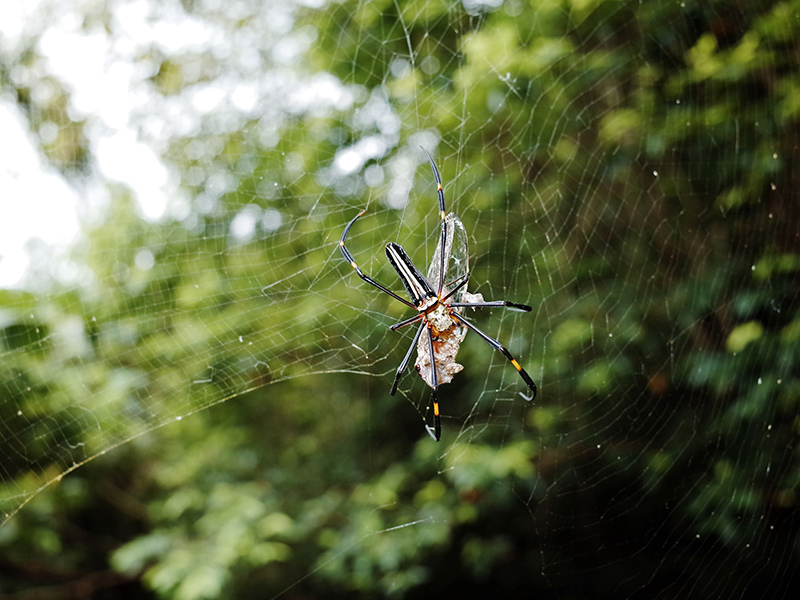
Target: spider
439, 310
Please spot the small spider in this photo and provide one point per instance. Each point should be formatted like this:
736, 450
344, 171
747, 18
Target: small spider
439, 309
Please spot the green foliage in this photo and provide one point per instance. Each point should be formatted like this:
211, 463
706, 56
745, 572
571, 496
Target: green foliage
630, 168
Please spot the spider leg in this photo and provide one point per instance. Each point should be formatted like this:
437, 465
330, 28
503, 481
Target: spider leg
440, 195
402, 368
460, 282
349, 258
408, 321
502, 349
436, 434
494, 304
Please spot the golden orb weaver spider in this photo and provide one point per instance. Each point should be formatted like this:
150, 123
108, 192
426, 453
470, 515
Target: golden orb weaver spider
438, 314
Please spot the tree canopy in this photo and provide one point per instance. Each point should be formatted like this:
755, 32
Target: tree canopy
196, 405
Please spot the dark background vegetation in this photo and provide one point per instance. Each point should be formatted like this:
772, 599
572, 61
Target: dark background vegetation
627, 168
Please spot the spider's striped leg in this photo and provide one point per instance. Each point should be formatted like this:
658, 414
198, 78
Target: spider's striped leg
402, 368
459, 283
443, 242
408, 321
495, 304
349, 258
436, 434
502, 349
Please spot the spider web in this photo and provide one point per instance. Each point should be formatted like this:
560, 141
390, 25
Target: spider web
626, 169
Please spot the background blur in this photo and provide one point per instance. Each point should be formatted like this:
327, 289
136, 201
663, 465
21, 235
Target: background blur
194, 385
